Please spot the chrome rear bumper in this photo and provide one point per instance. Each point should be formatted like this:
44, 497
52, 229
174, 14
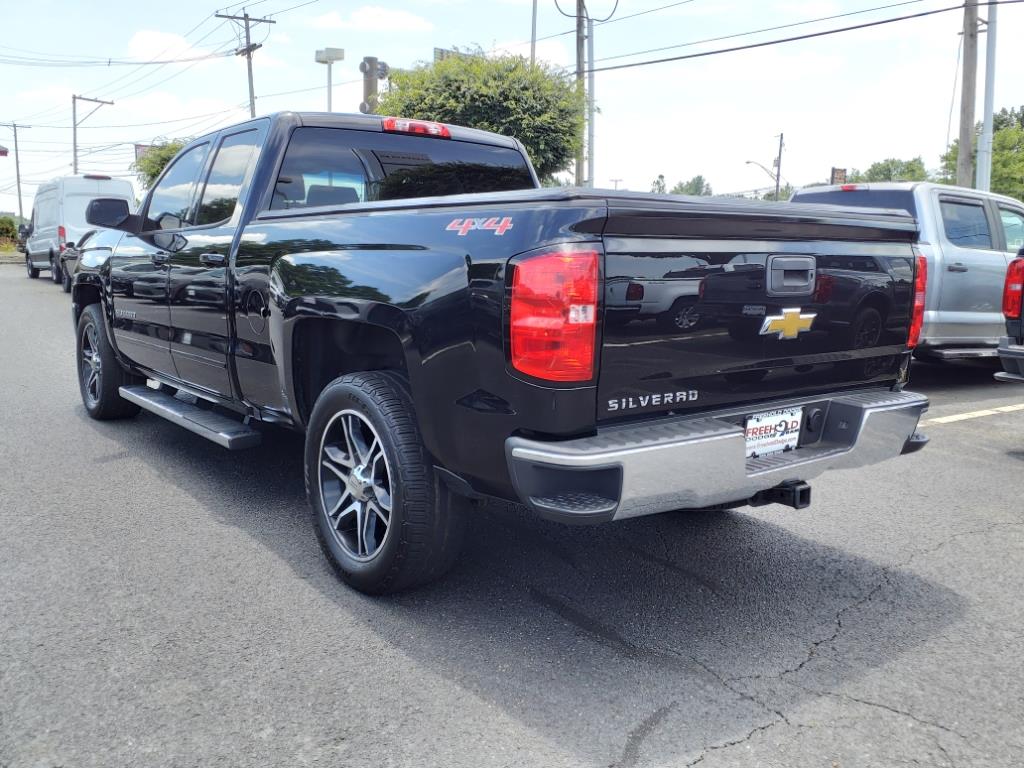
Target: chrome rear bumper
693, 462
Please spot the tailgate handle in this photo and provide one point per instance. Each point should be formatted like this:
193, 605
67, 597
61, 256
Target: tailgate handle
791, 275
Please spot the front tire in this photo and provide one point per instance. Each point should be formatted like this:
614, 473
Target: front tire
65, 280
33, 272
382, 516
100, 375
55, 270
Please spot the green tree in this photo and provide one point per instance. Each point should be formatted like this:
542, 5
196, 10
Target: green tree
698, 185
1005, 118
150, 165
505, 94
658, 185
785, 192
8, 229
891, 169
1007, 159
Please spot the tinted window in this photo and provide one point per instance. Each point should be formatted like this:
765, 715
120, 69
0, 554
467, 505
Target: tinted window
1013, 226
331, 166
899, 199
230, 167
173, 195
965, 224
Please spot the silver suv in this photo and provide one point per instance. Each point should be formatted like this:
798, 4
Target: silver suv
968, 238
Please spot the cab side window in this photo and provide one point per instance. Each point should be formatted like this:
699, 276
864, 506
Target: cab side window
965, 224
170, 204
234, 159
1013, 227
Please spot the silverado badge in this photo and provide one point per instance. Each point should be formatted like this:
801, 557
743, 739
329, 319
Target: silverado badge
790, 324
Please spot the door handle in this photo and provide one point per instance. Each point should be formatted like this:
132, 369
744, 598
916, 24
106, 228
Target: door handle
160, 257
211, 259
956, 267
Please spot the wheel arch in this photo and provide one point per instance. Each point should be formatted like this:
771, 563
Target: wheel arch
325, 348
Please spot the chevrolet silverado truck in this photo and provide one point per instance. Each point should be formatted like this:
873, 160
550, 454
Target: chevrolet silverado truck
1011, 346
436, 323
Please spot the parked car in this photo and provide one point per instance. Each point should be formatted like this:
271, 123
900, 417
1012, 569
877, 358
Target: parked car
58, 217
405, 294
19, 244
968, 238
1011, 346
88, 254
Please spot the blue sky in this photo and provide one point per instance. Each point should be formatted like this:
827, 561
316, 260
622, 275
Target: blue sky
844, 100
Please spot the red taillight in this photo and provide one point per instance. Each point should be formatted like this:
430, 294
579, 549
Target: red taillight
848, 187
634, 292
1013, 290
419, 127
917, 315
553, 318
62, 238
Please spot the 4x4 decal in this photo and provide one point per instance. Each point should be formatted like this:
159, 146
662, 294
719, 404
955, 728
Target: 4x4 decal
465, 226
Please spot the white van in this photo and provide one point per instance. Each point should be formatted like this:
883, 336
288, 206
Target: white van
58, 217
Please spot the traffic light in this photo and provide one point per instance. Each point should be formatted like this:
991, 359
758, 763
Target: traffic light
373, 71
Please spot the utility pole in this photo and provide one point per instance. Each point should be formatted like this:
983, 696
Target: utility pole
581, 12
17, 165
533, 36
75, 122
590, 102
615, 182
247, 51
964, 163
984, 177
778, 169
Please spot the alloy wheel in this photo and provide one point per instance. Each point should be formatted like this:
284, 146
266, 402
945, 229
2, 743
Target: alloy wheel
355, 485
91, 366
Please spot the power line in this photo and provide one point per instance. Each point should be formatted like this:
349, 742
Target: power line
759, 31
292, 8
32, 62
610, 20
796, 38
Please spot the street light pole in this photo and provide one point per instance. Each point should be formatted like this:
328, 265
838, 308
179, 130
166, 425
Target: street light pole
328, 56
983, 178
533, 36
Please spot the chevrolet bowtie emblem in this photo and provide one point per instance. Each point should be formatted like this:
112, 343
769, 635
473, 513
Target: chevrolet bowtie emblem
790, 324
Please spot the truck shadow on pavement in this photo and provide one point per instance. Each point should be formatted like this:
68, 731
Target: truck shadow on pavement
634, 643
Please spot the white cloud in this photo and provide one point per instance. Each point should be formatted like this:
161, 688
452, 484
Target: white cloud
373, 18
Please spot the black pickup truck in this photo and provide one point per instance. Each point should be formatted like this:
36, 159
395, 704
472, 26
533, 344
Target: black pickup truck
407, 295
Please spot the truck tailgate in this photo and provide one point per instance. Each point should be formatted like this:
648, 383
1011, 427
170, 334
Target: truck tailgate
711, 308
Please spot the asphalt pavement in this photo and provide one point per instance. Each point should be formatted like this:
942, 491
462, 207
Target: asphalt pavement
163, 603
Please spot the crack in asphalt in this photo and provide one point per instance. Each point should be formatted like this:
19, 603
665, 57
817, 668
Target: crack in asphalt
727, 744
635, 738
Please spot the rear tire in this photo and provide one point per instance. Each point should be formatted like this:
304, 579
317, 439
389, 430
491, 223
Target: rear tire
382, 516
100, 375
55, 270
33, 273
